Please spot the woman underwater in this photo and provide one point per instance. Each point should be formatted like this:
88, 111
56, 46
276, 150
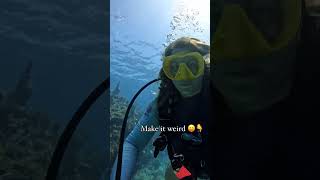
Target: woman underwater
183, 100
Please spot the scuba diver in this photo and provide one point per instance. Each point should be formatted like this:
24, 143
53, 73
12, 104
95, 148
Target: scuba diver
264, 91
264, 97
183, 99
262, 104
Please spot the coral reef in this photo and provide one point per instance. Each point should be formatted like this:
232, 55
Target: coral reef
28, 138
148, 167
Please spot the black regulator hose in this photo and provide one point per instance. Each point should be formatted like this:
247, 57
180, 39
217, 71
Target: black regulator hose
71, 127
123, 129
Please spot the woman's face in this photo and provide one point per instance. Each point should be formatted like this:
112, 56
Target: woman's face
187, 88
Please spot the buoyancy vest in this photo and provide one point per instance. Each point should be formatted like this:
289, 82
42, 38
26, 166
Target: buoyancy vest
180, 114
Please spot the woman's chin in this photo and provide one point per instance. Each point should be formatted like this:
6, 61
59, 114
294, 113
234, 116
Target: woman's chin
187, 94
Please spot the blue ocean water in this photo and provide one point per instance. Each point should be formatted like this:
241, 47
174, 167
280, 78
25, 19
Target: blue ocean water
66, 42
140, 31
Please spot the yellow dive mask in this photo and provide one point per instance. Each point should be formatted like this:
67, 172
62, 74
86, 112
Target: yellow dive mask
237, 37
183, 66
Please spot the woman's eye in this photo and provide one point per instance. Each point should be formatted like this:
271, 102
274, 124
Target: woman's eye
174, 67
192, 66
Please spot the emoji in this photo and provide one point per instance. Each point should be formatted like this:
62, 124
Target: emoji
191, 128
199, 127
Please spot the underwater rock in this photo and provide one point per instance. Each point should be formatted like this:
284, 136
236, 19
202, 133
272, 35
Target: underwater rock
23, 90
116, 91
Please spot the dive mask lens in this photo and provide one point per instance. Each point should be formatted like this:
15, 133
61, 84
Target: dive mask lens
240, 36
183, 66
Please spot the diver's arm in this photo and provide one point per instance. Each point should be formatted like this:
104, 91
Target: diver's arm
129, 159
135, 143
